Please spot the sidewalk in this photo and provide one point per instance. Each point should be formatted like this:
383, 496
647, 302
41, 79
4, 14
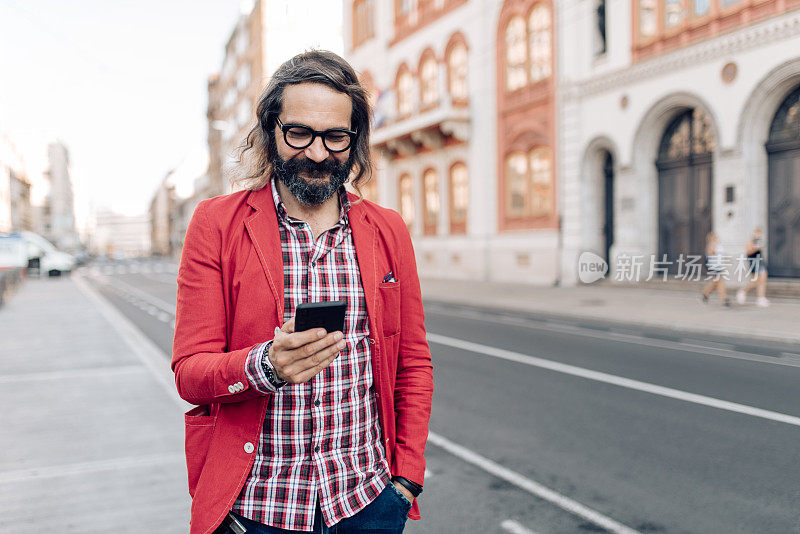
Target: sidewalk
679, 311
92, 438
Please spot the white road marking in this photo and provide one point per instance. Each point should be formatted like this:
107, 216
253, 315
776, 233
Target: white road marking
114, 464
529, 485
143, 295
427, 474
163, 317
156, 360
509, 525
67, 374
613, 379
566, 328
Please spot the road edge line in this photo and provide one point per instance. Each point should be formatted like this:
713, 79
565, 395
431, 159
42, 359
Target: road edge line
153, 358
543, 492
629, 383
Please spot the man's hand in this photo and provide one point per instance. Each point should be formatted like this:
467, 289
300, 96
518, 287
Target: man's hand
298, 356
404, 491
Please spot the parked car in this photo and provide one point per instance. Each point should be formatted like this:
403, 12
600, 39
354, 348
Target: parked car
45, 257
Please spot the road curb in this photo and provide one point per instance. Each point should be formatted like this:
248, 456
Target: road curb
774, 337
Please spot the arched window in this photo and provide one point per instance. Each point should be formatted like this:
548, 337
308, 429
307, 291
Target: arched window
430, 181
457, 72
539, 42
541, 163
517, 177
516, 54
405, 96
407, 199
459, 198
529, 183
429, 81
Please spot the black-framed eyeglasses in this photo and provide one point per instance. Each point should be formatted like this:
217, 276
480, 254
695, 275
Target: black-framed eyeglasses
299, 136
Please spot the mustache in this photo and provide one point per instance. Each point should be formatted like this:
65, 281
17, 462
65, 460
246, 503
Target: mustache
314, 169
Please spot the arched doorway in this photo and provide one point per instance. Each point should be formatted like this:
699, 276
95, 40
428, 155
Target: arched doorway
783, 207
685, 162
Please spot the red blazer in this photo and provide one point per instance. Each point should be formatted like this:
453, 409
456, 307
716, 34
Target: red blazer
230, 298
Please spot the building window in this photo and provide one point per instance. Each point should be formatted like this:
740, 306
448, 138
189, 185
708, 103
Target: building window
243, 77
673, 13
429, 81
541, 182
516, 54
539, 42
369, 190
459, 198
516, 174
648, 18
600, 18
243, 113
363, 21
457, 72
405, 103
430, 180
529, 183
701, 7
407, 200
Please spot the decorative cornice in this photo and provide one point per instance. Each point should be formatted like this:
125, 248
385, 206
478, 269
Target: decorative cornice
759, 34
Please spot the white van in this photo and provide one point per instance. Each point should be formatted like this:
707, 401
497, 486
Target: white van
51, 261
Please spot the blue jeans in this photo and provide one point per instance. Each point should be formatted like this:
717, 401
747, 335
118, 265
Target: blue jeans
387, 514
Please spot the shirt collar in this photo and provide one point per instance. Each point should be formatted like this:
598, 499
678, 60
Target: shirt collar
283, 215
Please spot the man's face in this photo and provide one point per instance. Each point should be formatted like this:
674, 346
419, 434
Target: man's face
312, 174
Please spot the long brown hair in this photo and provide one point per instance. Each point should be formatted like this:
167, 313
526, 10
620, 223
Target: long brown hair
259, 148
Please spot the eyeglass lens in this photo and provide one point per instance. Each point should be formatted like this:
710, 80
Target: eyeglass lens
300, 137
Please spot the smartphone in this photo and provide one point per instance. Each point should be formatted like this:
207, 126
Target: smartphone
328, 315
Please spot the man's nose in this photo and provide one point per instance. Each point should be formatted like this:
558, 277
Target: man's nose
316, 151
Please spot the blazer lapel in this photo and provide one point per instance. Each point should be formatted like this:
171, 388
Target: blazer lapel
365, 241
262, 227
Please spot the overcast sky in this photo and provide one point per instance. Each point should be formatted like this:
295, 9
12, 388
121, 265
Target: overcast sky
122, 83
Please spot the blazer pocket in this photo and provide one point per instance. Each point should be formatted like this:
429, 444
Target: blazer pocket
199, 427
389, 293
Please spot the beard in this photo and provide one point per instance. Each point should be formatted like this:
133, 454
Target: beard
322, 179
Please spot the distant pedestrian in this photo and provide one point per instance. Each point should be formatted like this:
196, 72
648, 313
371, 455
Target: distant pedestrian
757, 270
716, 269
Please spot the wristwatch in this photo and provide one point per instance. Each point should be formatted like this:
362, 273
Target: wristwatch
412, 487
272, 376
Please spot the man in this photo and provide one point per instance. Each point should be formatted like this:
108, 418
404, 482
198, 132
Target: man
302, 431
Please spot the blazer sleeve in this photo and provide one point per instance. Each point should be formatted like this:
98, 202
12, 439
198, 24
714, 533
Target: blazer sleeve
206, 371
413, 392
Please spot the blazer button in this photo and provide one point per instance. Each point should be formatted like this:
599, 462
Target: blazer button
248, 447
232, 389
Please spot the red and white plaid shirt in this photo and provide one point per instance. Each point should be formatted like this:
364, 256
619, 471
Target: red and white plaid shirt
321, 439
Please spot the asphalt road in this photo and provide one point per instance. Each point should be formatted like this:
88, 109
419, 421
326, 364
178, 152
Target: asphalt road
572, 426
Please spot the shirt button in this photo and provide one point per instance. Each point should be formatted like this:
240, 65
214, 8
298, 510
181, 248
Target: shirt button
248, 447
314, 264
316, 449
316, 403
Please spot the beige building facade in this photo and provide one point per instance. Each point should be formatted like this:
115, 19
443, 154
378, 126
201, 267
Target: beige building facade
267, 33
515, 135
465, 130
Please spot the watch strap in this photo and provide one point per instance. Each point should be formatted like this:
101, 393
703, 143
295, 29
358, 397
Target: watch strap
272, 376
